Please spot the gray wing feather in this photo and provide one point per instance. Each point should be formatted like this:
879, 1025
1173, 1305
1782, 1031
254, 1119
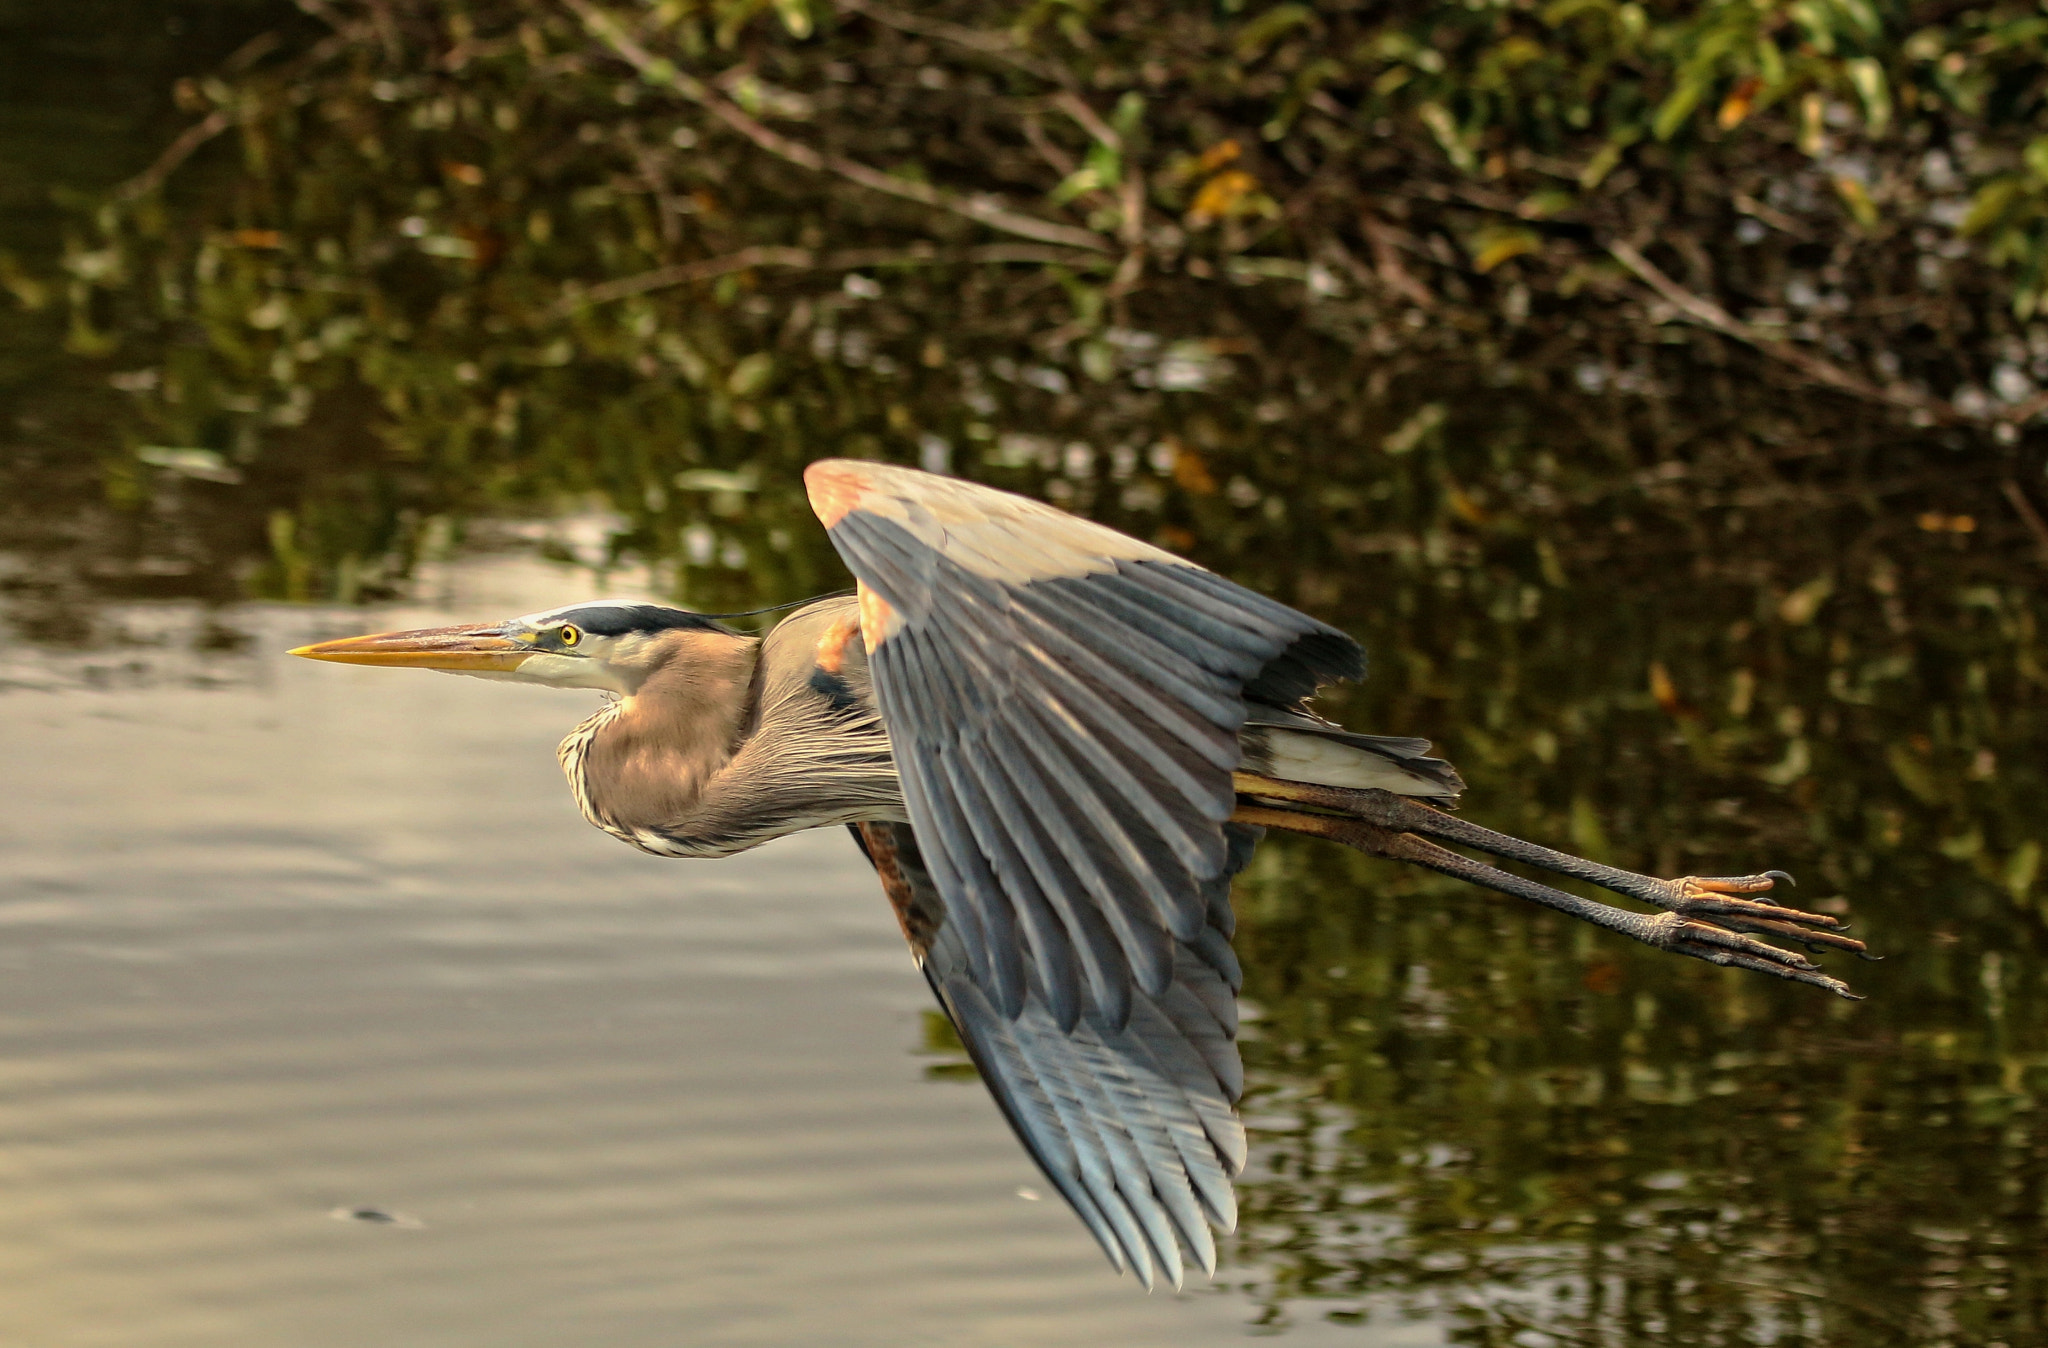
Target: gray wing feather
1075, 697
1412, 754
1132, 1125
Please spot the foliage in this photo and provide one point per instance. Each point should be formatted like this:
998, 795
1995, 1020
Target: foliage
1651, 386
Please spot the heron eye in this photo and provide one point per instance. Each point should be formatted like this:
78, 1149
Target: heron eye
569, 635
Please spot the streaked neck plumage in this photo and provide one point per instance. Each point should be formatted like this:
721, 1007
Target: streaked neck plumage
644, 760
729, 741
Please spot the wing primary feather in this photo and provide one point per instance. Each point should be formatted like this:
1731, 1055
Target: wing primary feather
1028, 1106
1196, 666
1184, 1078
1126, 1159
1212, 741
1206, 693
1193, 632
1239, 841
1113, 704
1194, 841
1209, 1185
1150, 1109
1054, 950
1214, 948
1099, 1167
1102, 706
1222, 601
1218, 1055
962, 689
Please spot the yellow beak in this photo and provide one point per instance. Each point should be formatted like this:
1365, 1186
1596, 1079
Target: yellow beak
468, 649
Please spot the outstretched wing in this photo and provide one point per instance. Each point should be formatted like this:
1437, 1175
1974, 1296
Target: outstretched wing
1063, 703
1133, 1125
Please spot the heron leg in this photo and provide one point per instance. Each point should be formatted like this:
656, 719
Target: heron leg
1672, 931
1717, 899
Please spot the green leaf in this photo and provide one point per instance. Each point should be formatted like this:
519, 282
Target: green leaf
796, 17
1602, 164
1438, 119
1129, 114
1679, 106
2036, 157
1262, 32
1081, 180
1991, 202
751, 375
1868, 78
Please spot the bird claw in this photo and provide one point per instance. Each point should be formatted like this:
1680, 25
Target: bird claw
1719, 901
1719, 945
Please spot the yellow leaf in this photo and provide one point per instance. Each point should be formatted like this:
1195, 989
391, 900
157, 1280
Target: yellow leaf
1737, 105
1223, 194
1494, 247
1858, 201
1798, 608
1191, 473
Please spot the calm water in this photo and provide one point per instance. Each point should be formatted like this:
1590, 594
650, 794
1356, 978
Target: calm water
289, 942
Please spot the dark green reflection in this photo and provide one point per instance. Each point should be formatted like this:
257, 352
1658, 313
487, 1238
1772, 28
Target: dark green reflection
1676, 621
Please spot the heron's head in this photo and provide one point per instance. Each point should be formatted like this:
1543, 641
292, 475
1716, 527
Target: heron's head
604, 644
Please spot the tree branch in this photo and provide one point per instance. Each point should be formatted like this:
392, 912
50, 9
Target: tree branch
176, 153
1709, 314
982, 210
999, 46
807, 259
2024, 508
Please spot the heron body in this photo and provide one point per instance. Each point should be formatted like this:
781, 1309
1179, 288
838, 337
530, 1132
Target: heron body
1056, 745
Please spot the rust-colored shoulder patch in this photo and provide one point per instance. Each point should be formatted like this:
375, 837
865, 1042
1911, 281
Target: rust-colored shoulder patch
831, 654
878, 621
835, 488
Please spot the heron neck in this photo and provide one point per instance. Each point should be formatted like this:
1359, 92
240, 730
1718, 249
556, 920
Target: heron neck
646, 761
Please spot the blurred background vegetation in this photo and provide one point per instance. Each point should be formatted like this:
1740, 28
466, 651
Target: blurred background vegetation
1657, 388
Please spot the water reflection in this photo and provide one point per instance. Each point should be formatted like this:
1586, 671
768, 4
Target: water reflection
1651, 627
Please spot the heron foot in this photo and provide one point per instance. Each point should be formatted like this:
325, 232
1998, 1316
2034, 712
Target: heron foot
1721, 901
1704, 940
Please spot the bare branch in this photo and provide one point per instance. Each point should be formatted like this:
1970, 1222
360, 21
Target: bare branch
2017, 495
1076, 107
998, 45
982, 210
1034, 132
176, 153
807, 259
1709, 314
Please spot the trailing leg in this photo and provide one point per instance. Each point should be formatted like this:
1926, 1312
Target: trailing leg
1676, 932
1718, 900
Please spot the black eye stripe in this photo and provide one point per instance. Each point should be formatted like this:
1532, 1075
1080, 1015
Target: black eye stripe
617, 620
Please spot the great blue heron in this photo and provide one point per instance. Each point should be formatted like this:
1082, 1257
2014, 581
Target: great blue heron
1056, 745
